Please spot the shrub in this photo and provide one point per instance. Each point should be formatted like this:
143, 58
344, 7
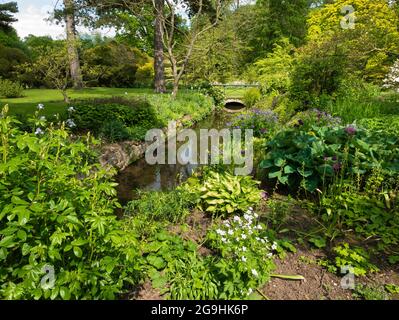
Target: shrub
114, 131
57, 215
251, 97
312, 157
10, 89
94, 114
224, 193
273, 72
263, 123
217, 94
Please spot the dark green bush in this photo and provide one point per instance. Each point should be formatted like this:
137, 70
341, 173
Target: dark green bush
94, 115
114, 131
312, 157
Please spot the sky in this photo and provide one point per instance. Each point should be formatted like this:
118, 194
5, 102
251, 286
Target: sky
32, 19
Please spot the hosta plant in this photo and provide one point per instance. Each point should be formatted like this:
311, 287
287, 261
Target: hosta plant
224, 193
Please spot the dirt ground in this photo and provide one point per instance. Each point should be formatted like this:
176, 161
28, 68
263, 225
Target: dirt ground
319, 284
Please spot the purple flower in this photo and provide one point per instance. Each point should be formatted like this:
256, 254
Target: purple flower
351, 130
264, 195
337, 166
263, 130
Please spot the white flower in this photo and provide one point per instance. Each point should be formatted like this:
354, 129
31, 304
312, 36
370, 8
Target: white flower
256, 215
251, 209
230, 232
42, 118
254, 272
70, 123
259, 227
71, 109
257, 239
250, 291
248, 217
274, 246
263, 241
40, 106
269, 255
39, 131
244, 249
224, 240
237, 219
244, 259
243, 236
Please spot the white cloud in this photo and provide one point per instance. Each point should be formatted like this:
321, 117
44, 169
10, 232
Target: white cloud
33, 20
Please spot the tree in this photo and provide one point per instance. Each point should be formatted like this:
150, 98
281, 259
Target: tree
53, 66
6, 14
200, 22
72, 42
159, 68
371, 44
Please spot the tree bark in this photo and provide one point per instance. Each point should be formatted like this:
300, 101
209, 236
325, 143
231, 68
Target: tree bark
73, 53
159, 68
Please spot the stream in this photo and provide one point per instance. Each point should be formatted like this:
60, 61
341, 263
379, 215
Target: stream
142, 176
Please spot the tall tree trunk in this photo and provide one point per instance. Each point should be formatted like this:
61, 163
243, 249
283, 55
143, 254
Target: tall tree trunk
73, 53
159, 68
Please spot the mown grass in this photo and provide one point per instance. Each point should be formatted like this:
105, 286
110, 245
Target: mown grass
187, 103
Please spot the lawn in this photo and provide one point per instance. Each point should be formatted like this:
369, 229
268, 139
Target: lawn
53, 101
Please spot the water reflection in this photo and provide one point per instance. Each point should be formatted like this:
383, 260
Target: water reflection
143, 176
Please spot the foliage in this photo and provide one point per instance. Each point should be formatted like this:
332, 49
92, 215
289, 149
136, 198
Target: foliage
370, 292
319, 69
105, 115
171, 206
273, 72
10, 58
168, 257
368, 44
53, 67
307, 119
224, 193
215, 93
263, 123
113, 64
371, 213
218, 56
354, 257
6, 14
251, 97
246, 254
114, 131
387, 124
10, 89
57, 211
312, 157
